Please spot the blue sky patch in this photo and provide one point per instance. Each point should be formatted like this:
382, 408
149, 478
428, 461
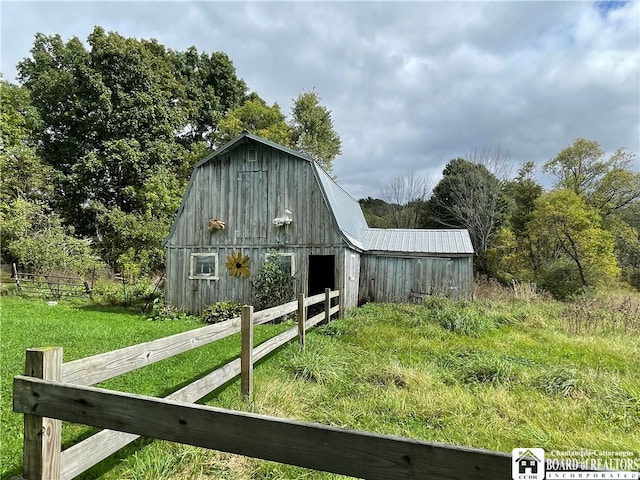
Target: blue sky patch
604, 7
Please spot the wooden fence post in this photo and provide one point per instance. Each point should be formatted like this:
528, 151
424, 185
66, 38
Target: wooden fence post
246, 354
302, 319
42, 436
327, 305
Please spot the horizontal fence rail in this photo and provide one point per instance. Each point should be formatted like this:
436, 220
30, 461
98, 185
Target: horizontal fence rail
43, 457
348, 452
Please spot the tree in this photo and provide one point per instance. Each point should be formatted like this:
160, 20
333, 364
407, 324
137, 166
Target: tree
494, 158
255, 116
512, 254
212, 89
312, 130
376, 212
114, 118
469, 196
26, 182
22, 171
35, 238
606, 184
405, 197
575, 251
132, 241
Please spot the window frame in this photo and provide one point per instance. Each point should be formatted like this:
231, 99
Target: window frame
200, 276
292, 256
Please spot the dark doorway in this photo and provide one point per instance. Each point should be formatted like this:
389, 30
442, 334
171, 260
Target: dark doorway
321, 273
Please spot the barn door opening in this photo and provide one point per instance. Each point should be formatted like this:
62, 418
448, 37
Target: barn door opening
321, 273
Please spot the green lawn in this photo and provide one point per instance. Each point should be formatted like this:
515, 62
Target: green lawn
84, 330
496, 375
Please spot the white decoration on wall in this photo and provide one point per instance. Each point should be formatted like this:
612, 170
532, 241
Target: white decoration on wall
286, 219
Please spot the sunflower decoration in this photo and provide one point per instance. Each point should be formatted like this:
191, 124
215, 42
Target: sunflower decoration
238, 265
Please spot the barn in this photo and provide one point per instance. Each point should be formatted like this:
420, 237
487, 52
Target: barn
251, 197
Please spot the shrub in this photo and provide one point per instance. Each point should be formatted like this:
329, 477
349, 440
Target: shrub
273, 285
161, 311
221, 311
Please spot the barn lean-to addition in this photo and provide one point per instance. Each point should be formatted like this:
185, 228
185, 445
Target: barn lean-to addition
251, 197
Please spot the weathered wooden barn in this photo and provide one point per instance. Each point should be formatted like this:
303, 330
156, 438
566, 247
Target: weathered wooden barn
252, 196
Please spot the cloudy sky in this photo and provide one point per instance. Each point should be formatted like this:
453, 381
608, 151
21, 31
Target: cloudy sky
410, 85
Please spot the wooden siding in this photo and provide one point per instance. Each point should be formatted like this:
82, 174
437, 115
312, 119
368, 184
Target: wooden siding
386, 278
350, 280
192, 295
247, 196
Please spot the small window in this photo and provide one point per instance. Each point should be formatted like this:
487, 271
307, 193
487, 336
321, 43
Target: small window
252, 155
286, 260
204, 265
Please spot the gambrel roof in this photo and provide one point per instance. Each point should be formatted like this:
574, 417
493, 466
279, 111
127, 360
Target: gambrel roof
349, 219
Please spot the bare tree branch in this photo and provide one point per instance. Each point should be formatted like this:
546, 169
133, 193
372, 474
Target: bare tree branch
404, 196
494, 158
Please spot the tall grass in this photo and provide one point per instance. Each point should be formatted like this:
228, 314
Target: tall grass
503, 371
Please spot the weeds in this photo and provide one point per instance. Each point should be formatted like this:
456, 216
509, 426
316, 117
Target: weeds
488, 288
464, 318
590, 314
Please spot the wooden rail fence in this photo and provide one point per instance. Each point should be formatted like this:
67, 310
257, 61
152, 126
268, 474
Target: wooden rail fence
51, 392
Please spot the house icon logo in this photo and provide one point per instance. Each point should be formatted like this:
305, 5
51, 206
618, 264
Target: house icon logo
527, 464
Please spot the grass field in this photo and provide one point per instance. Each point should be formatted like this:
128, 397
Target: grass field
493, 374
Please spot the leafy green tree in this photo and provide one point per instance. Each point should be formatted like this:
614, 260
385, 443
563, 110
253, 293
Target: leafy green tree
117, 116
575, 251
26, 182
21, 170
610, 186
255, 116
132, 241
212, 89
606, 184
35, 238
512, 252
469, 196
312, 130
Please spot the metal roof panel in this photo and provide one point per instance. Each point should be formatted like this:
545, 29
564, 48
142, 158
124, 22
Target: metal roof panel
397, 240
